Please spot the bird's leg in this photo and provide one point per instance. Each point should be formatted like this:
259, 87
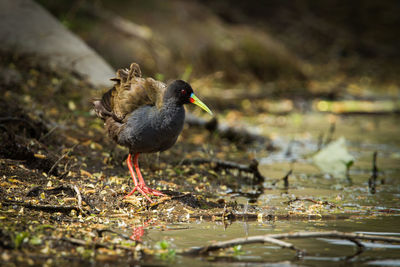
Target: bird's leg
142, 184
129, 162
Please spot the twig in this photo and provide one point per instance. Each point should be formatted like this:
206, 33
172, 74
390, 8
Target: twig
60, 158
33, 192
331, 131
48, 208
222, 164
239, 241
233, 134
360, 249
273, 238
48, 133
79, 197
310, 200
288, 152
80, 242
101, 231
285, 179
374, 175
69, 190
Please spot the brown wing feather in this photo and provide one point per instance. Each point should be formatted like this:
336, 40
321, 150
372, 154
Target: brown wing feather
132, 91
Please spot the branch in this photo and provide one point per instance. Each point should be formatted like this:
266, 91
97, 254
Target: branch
233, 134
285, 179
80, 242
60, 158
222, 164
310, 200
274, 238
48, 208
79, 197
374, 175
71, 190
101, 231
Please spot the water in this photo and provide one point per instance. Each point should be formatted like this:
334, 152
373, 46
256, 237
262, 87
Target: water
319, 251
362, 211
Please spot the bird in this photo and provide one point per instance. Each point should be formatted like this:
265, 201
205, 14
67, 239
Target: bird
144, 115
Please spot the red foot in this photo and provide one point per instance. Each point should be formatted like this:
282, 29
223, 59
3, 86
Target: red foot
148, 190
141, 186
144, 190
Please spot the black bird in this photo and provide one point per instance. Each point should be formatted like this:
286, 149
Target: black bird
145, 116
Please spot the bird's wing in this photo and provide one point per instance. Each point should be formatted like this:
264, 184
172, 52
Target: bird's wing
131, 91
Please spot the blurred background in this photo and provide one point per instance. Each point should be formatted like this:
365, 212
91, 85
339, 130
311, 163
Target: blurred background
332, 49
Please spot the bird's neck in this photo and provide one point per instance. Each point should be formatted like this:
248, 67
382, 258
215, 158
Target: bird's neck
171, 110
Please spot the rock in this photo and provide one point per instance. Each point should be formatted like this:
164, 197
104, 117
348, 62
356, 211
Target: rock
25, 27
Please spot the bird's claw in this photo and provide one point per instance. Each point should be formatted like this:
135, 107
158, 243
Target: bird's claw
144, 190
148, 190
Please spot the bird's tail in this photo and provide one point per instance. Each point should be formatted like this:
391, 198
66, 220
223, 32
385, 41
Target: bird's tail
102, 106
125, 76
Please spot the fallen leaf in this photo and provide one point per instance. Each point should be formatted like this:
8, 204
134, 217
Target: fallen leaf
334, 159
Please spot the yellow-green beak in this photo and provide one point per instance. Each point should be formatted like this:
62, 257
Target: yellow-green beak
195, 100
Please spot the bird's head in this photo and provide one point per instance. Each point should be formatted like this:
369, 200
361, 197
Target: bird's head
183, 93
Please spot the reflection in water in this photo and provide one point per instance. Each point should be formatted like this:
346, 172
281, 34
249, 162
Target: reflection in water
138, 231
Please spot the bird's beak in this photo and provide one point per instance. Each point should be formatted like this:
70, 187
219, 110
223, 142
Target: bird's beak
195, 100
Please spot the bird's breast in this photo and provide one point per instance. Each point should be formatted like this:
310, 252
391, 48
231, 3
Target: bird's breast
170, 128
149, 130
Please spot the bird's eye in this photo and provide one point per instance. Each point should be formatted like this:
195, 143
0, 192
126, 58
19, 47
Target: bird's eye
183, 92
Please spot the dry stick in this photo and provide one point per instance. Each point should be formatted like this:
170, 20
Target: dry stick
69, 190
331, 131
222, 164
288, 152
275, 237
48, 133
80, 242
231, 133
284, 178
374, 176
53, 191
79, 197
360, 249
101, 231
310, 200
47, 208
60, 158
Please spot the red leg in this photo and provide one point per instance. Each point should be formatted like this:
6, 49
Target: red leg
136, 164
129, 162
142, 184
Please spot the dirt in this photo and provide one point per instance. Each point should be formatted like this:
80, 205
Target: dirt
63, 181
61, 177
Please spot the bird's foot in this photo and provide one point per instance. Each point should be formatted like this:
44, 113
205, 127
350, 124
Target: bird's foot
144, 190
148, 190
